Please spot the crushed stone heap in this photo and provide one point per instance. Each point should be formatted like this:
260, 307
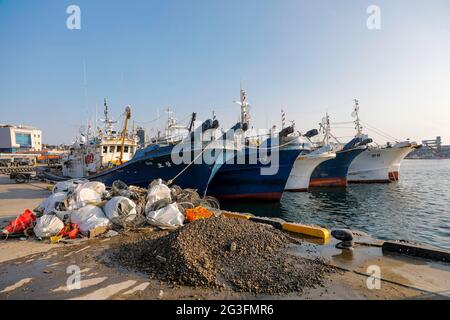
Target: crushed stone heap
224, 253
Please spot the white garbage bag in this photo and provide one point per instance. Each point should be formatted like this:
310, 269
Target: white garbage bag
49, 205
87, 193
88, 218
120, 207
67, 186
169, 216
98, 187
158, 192
47, 226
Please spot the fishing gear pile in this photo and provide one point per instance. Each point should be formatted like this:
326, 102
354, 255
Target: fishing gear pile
77, 208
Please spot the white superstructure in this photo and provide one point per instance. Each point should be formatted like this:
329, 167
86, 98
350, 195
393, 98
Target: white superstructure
107, 148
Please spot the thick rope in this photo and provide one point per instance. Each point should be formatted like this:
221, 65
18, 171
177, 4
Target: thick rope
201, 153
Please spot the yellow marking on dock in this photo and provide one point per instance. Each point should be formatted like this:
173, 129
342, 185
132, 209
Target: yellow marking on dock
236, 215
312, 231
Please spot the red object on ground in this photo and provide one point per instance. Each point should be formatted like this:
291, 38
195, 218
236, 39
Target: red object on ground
70, 230
198, 213
21, 223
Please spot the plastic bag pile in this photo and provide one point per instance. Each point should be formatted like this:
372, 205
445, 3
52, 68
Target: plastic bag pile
90, 205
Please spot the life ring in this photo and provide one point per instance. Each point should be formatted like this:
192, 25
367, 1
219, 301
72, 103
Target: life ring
89, 158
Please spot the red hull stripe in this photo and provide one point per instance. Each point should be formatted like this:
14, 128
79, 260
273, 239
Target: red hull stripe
266, 196
328, 182
297, 190
394, 176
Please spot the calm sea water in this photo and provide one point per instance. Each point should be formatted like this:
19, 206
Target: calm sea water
416, 208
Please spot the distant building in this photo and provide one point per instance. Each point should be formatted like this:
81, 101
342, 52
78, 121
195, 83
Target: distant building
431, 149
434, 144
20, 138
142, 135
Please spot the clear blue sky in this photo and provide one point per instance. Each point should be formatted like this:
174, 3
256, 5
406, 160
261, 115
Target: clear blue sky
308, 57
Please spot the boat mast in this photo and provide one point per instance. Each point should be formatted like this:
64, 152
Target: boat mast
108, 123
327, 128
357, 121
124, 131
192, 122
105, 112
244, 108
170, 122
245, 117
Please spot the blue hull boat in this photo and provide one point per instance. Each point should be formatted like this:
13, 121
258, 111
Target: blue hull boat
155, 162
245, 181
333, 173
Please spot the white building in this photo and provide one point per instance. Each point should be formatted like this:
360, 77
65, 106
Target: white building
20, 138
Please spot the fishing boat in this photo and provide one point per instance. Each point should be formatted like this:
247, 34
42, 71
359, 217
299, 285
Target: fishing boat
242, 180
158, 160
307, 160
377, 164
304, 166
96, 151
333, 172
243, 176
173, 157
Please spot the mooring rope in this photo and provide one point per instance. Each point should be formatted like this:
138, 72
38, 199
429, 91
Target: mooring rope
204, 149
185, 168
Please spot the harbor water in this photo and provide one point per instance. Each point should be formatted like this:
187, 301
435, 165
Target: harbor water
417, 208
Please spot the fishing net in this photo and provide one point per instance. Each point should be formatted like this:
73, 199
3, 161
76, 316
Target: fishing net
182, 198
125, 219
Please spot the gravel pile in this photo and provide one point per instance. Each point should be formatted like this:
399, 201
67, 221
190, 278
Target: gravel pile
223, 253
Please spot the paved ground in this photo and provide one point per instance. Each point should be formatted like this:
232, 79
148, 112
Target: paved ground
44, 275
15, 198
30, 269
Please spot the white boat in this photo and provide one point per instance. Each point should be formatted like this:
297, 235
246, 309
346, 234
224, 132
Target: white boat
378, 164
303, 168
105, 149
307, 161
